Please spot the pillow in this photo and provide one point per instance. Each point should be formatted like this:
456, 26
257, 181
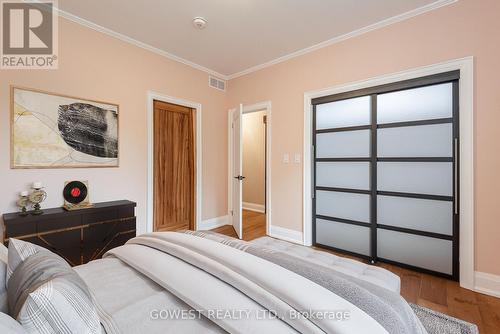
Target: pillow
3, 253
18, 252
46, 295
9, 325
3, 276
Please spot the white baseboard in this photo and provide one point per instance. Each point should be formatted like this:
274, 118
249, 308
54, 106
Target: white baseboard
285, 234
254, 207
488, 284
214, 223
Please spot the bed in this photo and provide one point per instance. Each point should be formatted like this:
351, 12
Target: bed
203, 282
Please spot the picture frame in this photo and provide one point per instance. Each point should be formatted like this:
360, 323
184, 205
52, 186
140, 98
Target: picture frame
50, 130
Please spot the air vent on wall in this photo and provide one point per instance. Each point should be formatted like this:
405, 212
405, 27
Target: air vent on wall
217, 83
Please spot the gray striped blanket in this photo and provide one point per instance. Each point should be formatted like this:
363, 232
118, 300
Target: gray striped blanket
385, 306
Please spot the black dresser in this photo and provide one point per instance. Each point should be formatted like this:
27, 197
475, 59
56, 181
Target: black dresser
78, 236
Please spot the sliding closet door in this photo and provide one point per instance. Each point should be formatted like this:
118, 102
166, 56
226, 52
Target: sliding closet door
416, 177
342, 175
386, 173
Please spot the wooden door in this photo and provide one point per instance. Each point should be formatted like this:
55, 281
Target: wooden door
174, 167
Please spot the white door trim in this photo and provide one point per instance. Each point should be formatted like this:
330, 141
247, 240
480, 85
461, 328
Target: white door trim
151, 97
466, 114
230, 165
248, 109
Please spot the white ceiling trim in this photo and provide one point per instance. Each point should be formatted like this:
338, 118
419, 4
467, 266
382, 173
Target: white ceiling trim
355, 33
135, 42
392, 20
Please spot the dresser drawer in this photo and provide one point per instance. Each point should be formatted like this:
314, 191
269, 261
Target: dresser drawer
58, 223
126, 212
20, 229
66, 244
103, 232
93, 249
101, 216
63, 239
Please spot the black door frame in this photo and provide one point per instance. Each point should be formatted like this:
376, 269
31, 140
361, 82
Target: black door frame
446, 77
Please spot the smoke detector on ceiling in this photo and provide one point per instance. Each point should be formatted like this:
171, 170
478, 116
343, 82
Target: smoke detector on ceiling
199, 23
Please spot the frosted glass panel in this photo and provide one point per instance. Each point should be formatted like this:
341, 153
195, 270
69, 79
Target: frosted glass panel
415, 104
355, 175
343, 113
416, 214
347, 237
416, 141
343, 205
434, 178
343, 144
424, 252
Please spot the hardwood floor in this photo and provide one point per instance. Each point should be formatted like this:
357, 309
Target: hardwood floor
254, 226
436, 293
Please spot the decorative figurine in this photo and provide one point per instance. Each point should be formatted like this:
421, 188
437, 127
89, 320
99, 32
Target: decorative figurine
36, 197
23, 202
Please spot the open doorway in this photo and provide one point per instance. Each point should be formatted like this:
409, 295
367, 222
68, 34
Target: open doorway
249, 186
254, 171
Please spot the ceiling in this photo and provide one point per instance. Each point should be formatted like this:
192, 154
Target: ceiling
240, 34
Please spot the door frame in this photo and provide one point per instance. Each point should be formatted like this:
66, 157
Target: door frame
466, 115
151, 97
266, 105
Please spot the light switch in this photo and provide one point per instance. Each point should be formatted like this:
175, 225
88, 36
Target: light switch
286, 158
296, 158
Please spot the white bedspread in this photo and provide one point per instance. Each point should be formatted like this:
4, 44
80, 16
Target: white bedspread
129, 302
211, 277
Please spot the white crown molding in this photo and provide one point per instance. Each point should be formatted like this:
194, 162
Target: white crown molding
392, 20
352, 34
137, 43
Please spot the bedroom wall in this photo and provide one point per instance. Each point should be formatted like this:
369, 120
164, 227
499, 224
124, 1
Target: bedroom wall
465, 28
93, 65
254, 158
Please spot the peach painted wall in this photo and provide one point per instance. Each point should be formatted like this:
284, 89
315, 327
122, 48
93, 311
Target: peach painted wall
95, 66
466, 28
254, 158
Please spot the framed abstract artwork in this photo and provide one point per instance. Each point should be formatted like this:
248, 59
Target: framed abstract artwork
57, 131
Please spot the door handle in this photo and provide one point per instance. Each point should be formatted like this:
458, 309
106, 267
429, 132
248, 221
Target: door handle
313, 172
455, 187
239, 177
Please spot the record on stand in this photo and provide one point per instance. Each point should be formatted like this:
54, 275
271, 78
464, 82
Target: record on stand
76, 195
